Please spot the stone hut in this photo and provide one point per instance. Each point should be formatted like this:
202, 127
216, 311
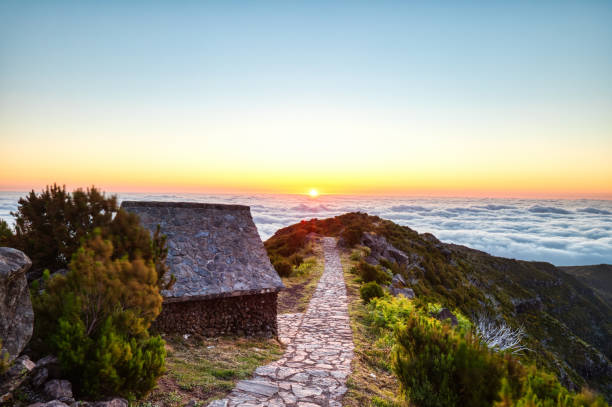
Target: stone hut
225, 283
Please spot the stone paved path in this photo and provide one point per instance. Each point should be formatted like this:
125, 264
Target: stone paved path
317, 360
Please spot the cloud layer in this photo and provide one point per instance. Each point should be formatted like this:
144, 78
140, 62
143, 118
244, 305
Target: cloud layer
563, 232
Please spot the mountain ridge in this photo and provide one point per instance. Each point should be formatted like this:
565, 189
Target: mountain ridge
568, 325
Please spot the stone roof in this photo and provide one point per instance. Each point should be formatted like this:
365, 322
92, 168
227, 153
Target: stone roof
214, 250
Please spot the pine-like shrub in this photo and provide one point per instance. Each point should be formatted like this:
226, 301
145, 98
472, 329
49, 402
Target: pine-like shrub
6, 234
370, 290
50, 227
96, 320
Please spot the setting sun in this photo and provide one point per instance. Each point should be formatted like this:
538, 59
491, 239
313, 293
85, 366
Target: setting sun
313, 193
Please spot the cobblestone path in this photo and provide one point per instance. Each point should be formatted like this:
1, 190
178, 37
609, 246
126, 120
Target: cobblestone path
317, 361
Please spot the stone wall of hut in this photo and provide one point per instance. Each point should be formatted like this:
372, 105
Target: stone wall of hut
251, 315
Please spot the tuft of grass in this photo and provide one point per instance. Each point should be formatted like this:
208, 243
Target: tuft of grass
204, 369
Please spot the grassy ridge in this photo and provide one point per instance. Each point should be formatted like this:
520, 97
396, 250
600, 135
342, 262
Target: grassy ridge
569, 329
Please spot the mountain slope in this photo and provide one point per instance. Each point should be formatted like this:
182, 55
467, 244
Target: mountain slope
569, 327
597, 277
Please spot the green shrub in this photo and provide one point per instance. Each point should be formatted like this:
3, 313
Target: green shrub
370, 290
6, 234
438, 367
542, 389
282, 267
368, 273
50, 227
96, 319
388, 312
305, 267
352, 235
295, 259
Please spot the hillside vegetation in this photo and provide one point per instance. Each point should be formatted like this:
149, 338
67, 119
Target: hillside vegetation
568, 327
597, 277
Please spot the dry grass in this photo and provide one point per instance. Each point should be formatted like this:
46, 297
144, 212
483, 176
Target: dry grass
202, 369
371, 382
300, 288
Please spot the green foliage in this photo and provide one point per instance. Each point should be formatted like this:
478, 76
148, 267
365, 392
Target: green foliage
96, 319
369, 273
388, 312
438, 367
352, 235
541, 389
6, 234
304, 268
370, 290
282, 266
50, 227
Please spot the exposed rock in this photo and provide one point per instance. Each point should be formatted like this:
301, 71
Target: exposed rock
398, 287
380, 248
116, 402
16, 375
218, 403
51, 363
445, 314
40, 376
16, 314
52, 403
406, 292
398, 281
59, 390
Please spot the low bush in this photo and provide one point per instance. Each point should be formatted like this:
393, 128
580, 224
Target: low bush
438, 367
96, 319
305, 267
370, 290
352, 235
388, 312
368, 273
295, 259
282, 267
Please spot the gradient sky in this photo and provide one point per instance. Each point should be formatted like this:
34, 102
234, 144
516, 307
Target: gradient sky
432, 98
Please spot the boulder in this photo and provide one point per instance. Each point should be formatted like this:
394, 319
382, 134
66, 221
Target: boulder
14, 377
51, 364
116, 402
40, 376
59, 390
406, 292
398, 287
445, 314
52, 403
16, 314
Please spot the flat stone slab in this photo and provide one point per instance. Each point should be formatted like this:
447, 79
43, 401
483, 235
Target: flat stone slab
318, 354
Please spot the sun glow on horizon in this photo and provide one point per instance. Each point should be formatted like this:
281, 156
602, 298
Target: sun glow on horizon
313, 193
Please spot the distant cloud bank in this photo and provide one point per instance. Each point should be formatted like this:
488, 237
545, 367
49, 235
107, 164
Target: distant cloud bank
563, 232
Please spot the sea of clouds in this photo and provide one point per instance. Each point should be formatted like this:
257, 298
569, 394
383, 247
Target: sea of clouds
562, 232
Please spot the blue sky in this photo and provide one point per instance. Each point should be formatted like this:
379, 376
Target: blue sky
537, 73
